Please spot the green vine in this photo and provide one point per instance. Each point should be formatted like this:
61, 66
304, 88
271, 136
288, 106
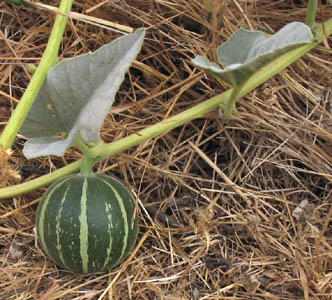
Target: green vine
311, 13
49, 58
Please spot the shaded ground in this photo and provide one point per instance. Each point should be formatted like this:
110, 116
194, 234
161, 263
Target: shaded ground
201, 238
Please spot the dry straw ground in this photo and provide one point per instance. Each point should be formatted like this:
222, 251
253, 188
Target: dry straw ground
229, 209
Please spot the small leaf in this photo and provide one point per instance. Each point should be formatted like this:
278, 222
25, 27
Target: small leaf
77, 96
247, 51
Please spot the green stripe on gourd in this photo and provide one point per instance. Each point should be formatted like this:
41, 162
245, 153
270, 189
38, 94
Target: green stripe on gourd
87, 224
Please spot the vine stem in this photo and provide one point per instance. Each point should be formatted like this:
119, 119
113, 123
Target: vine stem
311, 13
48, 59
103, 151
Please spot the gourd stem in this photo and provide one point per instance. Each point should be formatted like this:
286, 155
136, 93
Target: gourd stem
87, 161
86, 165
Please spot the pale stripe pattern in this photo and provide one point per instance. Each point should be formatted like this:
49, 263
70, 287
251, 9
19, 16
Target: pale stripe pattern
84, 229
124, 217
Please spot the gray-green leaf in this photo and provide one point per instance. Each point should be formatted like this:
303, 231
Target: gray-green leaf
77, 96
247, 51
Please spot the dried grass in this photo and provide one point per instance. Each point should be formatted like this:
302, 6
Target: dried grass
235, 209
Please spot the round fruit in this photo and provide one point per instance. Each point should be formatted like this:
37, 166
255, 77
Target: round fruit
87, 224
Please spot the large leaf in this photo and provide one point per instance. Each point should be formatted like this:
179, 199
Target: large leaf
77, 96
247, 51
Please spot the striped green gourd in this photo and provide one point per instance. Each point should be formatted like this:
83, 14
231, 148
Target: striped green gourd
87, 224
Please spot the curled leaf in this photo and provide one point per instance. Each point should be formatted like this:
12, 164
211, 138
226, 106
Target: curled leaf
247, 51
